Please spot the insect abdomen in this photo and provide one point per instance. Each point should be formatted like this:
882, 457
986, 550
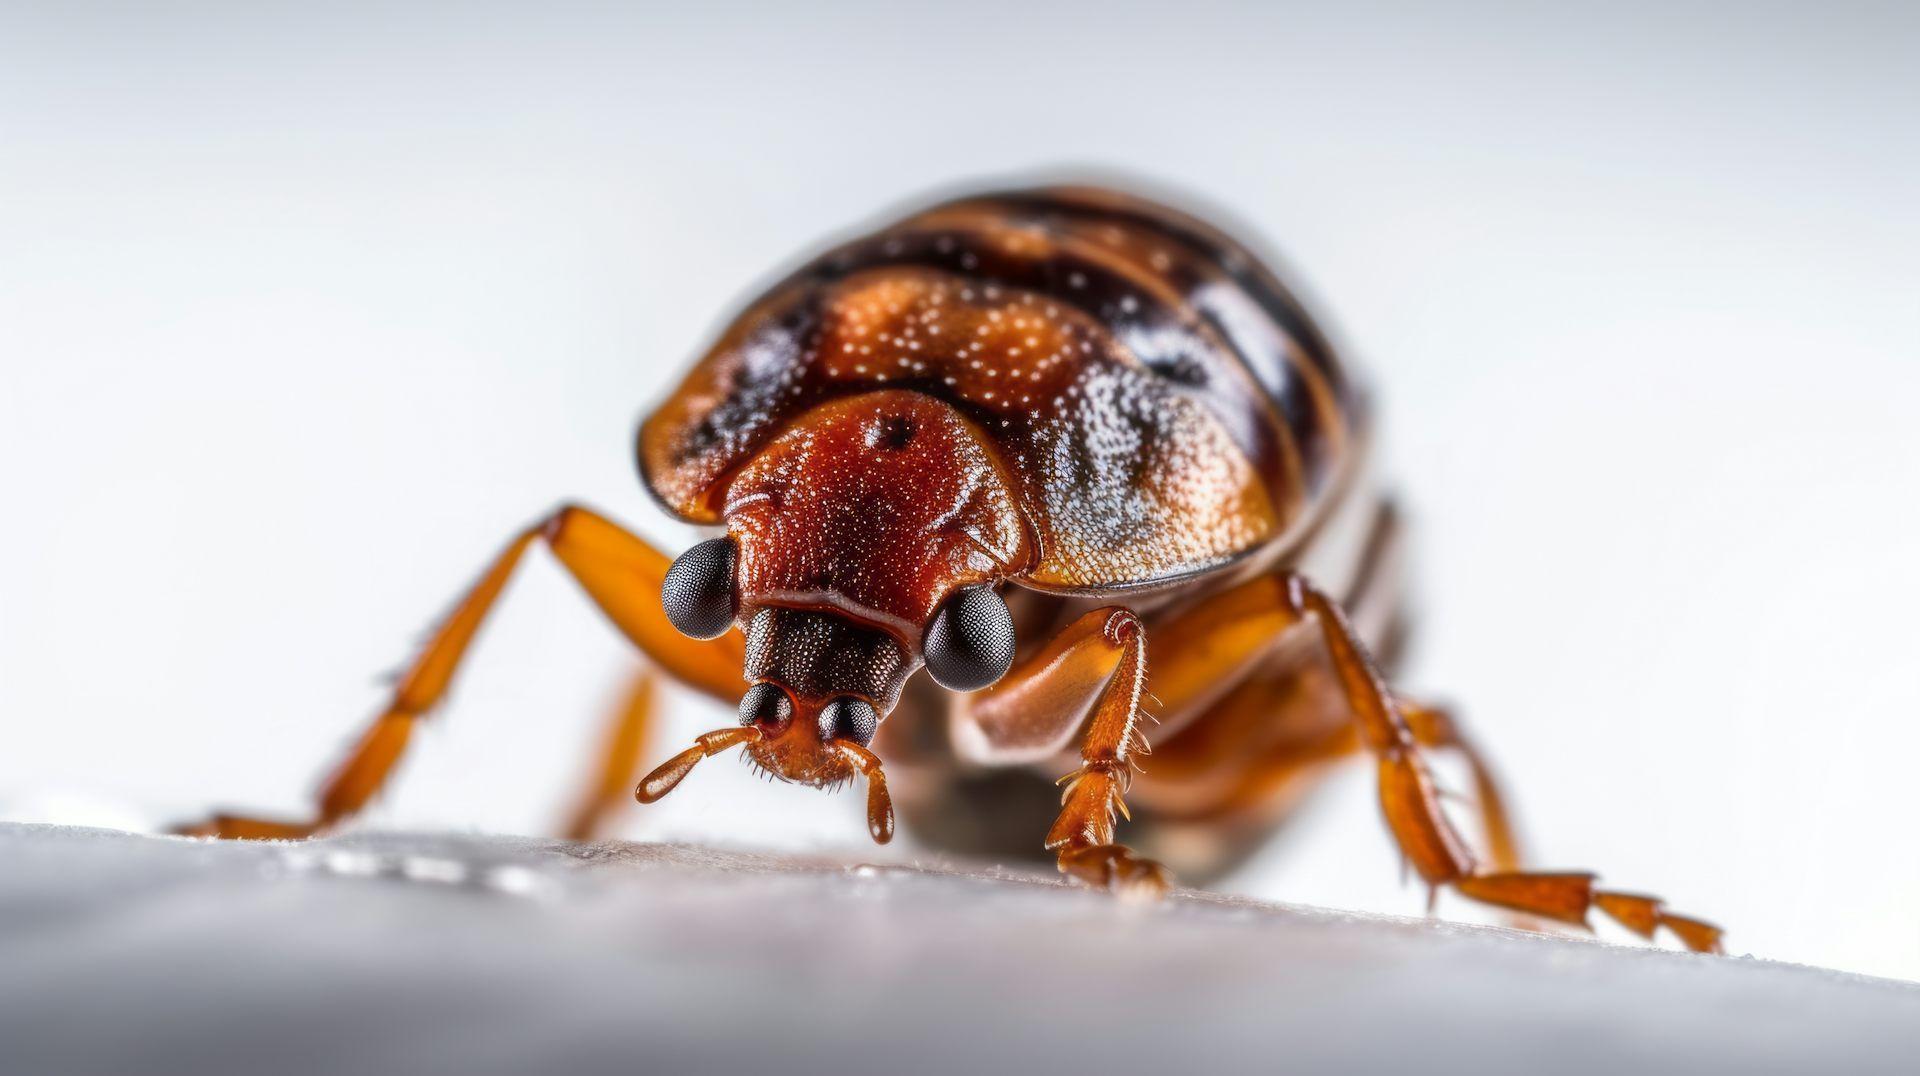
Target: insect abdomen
1160, 403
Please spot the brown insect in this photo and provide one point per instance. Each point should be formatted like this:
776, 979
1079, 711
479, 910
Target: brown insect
1016, 438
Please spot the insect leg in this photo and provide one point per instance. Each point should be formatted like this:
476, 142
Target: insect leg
617, 763
1425, 835
619, 571
1435, 727
1097, 662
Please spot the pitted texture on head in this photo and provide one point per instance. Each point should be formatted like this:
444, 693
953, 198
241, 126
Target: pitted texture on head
821, 655
877, 506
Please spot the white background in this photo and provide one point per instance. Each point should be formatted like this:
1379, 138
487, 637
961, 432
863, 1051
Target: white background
302, 312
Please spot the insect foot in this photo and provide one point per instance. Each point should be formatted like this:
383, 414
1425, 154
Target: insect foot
1083, 834
1118, 868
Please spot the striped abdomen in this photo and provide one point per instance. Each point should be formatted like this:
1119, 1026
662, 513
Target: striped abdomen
1159, 403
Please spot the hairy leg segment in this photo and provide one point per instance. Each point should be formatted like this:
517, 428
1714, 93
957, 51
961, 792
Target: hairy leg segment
1094, 675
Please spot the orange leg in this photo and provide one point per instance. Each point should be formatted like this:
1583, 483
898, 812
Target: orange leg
1435, 727
1252, 756
1425, 835
1083, 834
619, 571
610, 790
1100, 661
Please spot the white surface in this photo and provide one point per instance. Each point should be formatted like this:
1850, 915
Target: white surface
302, 311
425, 954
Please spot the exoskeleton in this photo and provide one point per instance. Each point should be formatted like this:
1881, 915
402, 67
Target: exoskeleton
1089, 464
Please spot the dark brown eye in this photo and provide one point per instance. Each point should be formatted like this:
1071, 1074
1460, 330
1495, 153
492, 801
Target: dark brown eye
767, 706
970, 642
697, 592
849, 718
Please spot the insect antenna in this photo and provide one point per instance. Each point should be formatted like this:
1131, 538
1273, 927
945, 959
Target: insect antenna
879, 803
674, 770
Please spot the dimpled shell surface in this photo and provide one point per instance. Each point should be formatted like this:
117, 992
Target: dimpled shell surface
816, 526
1154, 398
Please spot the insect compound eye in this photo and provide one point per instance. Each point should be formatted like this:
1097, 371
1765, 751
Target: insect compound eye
697, 592
767, 706
970, 642
849, 718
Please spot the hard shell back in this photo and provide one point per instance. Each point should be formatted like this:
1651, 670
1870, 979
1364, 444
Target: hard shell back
1159, 403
